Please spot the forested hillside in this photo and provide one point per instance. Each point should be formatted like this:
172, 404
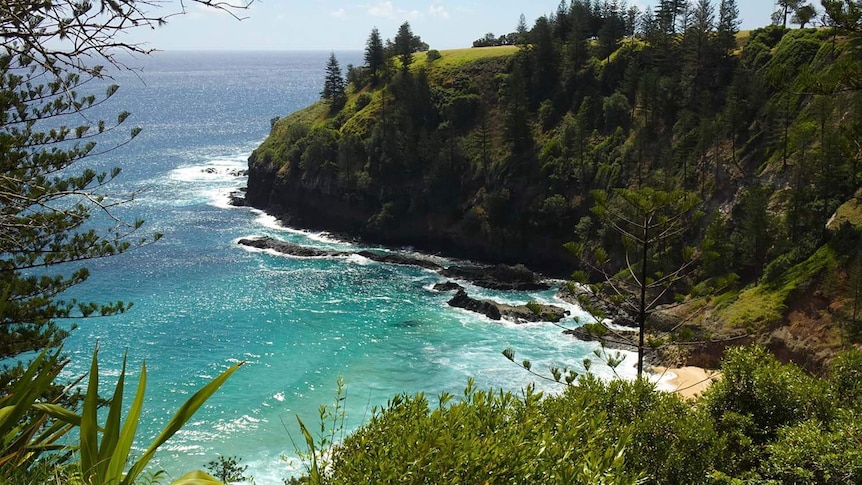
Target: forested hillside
500, 154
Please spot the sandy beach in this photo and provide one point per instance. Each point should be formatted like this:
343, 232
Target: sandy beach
688, 382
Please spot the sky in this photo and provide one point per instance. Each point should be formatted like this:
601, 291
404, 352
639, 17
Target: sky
345, 24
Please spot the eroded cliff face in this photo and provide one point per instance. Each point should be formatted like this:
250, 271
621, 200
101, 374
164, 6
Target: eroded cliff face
316, 206
303, 204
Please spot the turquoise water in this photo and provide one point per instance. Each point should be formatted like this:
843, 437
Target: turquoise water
201, 302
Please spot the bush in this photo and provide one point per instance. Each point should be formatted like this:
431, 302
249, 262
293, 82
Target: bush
671, 441
845, 379
811, 452
228, 470
362, 101
433, 55
486, 437
756, 397
772, 394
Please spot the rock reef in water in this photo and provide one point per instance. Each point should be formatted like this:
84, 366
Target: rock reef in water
496, 277
532, 312
500, 277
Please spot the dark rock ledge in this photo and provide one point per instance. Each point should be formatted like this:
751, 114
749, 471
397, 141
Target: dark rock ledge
499, 277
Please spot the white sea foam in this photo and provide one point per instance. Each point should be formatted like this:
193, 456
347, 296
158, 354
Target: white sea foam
211, 171
272, 223
221, 197
267, 221
323, 237
359, 260
662, 380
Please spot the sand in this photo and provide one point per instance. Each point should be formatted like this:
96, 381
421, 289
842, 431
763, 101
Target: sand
688, 382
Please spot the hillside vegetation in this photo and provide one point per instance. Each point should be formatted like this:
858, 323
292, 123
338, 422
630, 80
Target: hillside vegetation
763, 423
496, 154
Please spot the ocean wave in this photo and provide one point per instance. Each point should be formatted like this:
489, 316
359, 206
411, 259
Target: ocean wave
359, 260
210, 171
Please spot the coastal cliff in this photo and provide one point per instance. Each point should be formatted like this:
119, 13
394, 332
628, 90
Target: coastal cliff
494, 154
395, 170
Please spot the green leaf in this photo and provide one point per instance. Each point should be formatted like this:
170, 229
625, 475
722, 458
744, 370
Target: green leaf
123, 447
59, 412
314, 471
509, 354
112, 428
89, 447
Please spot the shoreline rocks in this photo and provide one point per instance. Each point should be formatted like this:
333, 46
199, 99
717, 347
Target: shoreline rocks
502, 277
573, 293
484, 307
499, 277
531, 312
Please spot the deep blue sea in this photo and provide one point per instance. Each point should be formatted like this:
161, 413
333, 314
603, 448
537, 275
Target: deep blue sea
201, 302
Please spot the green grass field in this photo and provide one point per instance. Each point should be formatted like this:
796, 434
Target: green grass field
457, 57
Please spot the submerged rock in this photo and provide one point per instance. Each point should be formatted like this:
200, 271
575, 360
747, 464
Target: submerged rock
237, 198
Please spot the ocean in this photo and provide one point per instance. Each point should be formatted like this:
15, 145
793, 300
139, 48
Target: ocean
202, 302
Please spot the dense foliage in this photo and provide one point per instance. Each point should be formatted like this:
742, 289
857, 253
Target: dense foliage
763, 422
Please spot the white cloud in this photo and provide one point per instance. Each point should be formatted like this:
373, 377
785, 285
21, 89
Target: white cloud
339, 14
438, 11
382, 9
387, 10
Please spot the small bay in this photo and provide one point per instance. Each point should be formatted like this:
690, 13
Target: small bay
202, 302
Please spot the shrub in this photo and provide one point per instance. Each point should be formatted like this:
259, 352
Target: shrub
672, 442
362, 101
433, 55
228, 470
845, 379
772, 394
811, 452
756, 397
486, 437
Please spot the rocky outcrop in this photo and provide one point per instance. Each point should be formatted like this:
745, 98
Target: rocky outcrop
500, 277
573, 294
532, 312
288, 248
447, 286
237, 198
609, 341
485, 307
291, 249
402, 259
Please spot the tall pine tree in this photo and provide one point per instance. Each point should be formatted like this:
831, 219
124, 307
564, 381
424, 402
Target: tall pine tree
333, 85
375, 58
404, 45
